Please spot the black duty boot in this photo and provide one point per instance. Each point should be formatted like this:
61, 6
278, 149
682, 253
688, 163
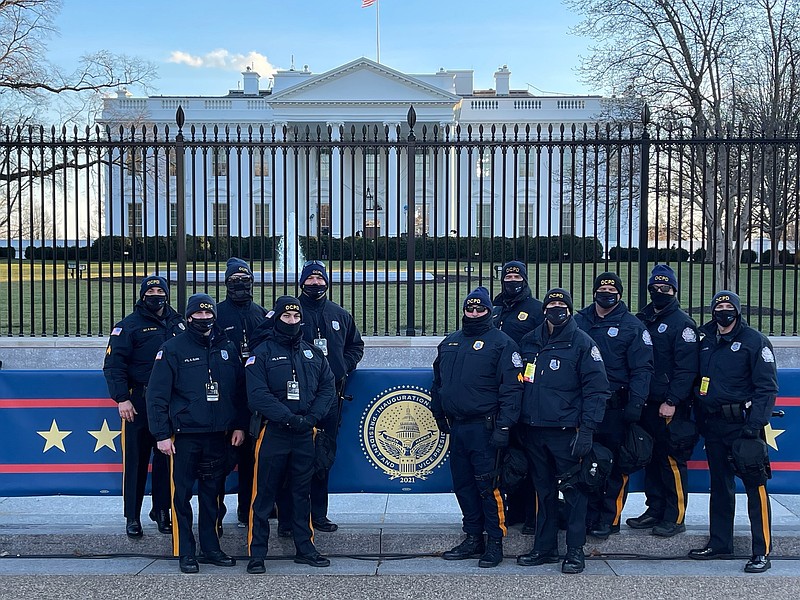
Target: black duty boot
574, 561
162, 519
471, 547
133, 528
494, 553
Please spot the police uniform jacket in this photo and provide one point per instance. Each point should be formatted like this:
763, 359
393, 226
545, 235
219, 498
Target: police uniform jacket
675, 352
326, 319
518, 317
565, 379
740, 367
273, 364
132, 346
177, 396
478, 376
626, 346
239, 320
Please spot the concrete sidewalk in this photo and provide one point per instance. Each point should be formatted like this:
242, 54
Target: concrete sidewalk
370, 525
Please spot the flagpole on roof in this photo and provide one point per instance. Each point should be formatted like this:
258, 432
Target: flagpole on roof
378, 29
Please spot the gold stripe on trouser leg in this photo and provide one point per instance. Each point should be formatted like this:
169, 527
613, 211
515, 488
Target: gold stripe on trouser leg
762, 495
255, 487
676, 474
620, 500
124, 456
311, 526
501, 513
176, 541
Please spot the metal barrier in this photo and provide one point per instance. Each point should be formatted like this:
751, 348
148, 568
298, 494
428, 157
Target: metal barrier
409, 218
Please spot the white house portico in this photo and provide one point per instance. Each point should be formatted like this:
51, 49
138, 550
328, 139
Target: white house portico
359, 186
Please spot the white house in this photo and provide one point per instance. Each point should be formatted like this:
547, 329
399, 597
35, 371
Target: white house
466, 182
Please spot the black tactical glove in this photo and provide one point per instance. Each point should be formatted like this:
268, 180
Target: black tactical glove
632, 412
311, 420
295, 423
500, 437
582, 442
748, 431
443, 425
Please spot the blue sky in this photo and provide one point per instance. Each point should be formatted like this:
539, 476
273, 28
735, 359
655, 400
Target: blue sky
201, 46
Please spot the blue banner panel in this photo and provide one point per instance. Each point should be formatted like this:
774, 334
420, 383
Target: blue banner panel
61, 434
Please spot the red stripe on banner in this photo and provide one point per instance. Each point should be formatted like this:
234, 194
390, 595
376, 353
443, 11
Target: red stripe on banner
57, 403
65, 468
787, 401
786, 465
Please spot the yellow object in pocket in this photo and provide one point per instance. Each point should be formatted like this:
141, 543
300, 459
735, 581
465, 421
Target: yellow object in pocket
530, 372
704, 386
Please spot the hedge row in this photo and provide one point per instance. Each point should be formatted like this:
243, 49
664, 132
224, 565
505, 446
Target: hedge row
8, 252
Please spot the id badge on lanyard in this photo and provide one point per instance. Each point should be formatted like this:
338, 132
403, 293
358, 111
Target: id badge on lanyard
212, 391
322, 344
293, 391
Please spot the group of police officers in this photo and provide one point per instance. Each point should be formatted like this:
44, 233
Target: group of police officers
264, 389
232, 384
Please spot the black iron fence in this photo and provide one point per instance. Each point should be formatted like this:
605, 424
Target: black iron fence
408, 218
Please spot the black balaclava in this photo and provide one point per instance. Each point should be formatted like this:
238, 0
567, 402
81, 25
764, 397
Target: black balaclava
286, 334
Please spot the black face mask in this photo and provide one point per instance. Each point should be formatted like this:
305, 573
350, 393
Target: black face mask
606, 299
556, 315
240, 291
724, 318
315, 292
477, 325
660, 300
154, 303
202, 325
511, 289
290, 331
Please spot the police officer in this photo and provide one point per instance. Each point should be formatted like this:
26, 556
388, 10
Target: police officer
238, 317
332, 329
675, 353
516, 312
132, 347
735, 397
290, 385
196, 411
476, 397
627, 351
563, 402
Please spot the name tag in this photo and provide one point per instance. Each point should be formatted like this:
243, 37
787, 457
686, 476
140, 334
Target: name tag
292, 391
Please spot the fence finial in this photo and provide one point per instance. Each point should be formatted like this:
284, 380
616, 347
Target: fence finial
180, 117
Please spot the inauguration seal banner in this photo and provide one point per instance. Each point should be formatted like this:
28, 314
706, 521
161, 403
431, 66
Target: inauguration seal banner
61, 434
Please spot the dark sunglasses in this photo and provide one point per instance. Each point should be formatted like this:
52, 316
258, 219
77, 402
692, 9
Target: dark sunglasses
476, 309
661, 289
319, 263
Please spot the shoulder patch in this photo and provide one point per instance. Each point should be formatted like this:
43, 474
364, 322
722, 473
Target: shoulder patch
767, 355
159, 354
648, 341
688, 335
250, 361
270, 314
596, 354
116, 331
516, 360
181, 326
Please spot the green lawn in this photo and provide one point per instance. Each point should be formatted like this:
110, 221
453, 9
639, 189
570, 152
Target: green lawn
37, 299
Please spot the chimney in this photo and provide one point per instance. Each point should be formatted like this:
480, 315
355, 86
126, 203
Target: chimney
502, 81
250, 82
123, 93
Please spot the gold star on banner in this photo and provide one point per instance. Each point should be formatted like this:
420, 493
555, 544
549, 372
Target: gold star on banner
105, 437
771, 435
54, 438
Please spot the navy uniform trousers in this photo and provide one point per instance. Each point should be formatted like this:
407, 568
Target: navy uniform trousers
473, 462
665, 476
281, 455
137, 446
719, 437
606, 508
200, 457
549, 453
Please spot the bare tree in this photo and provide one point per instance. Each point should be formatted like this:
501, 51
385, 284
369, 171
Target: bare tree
33, 89
689, 59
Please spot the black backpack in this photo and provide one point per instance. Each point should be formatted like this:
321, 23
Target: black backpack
513, 470
683, 438
637, 450
591, 473
750, 458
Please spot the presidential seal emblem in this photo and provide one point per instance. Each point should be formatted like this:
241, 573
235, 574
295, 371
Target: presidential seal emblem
399, 434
